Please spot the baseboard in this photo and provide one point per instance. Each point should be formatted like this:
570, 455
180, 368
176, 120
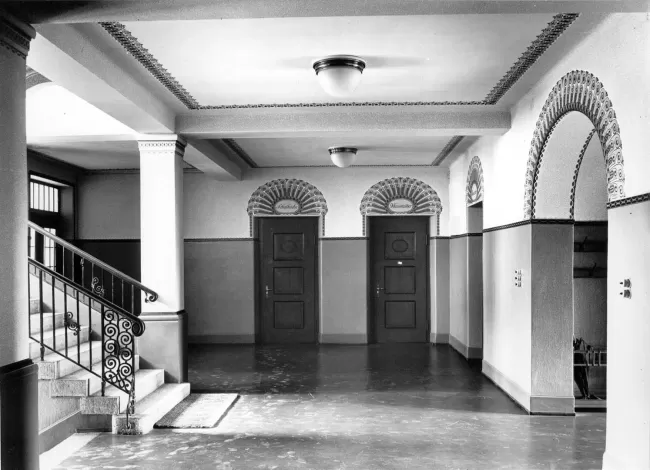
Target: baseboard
612, 462
221, 339
513, 390
58, 432
458, 346
439, 338
562, 406
474, 353
343, 338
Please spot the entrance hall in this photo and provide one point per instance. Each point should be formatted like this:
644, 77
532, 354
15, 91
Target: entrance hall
386, 406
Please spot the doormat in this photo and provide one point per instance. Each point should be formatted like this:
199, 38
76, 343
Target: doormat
199, 410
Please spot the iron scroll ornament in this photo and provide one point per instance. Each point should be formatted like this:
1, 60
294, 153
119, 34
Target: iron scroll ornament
119, 350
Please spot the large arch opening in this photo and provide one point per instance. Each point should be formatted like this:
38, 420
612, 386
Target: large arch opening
575, 168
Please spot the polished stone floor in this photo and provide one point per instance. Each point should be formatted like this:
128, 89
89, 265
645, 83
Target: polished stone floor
353, 407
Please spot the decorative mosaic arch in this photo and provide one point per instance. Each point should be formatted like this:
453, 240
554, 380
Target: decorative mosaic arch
577, 91
474, 181
287, 197
423, 199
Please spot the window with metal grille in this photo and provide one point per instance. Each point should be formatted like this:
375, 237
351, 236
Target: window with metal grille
49, 255
43, 197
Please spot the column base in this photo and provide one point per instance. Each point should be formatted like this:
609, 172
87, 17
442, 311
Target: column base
164, 344
19, 443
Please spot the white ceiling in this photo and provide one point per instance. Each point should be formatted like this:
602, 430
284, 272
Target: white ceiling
409, 58
95, 155
313, 151
268, 60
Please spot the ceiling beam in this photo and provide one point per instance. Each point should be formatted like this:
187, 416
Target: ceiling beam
83, 11
212, 159
366, 121
65, 55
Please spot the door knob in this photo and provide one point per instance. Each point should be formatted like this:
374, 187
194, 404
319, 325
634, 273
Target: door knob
267, 290
378, 289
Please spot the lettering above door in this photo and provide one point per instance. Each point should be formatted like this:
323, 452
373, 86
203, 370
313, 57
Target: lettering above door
400, 206
286, 206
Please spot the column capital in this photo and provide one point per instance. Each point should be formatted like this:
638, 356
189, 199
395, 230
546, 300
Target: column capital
15, 35
156, 145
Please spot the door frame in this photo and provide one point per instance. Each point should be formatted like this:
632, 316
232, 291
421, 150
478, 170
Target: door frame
370, 316
257, 284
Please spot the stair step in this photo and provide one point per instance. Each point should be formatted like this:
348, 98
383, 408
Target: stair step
59, 335
82, 383
35, 305
48, 323
151, 409
55, 366
115, 401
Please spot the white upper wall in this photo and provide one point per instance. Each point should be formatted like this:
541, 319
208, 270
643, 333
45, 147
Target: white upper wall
217, 209
110, 203
591, 194
617, 53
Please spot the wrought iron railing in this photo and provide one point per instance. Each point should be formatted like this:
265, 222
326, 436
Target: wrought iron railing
72, 286
87, 272
83, 309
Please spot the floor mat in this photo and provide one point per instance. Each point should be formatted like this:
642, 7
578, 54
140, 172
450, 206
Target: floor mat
198, 410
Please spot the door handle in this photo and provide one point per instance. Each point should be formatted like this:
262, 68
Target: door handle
266, 291
378, 289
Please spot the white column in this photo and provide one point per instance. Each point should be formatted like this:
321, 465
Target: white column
14, 305
161, 221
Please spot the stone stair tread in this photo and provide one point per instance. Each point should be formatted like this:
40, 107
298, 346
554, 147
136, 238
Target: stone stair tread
83, 347
82, 382
83, 374
152, 408
152, 402
57, 332
140, 375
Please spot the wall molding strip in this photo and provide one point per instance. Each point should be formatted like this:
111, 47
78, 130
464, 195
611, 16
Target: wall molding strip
463, 235
531, 222
324, 239
510, 388
629, 201
209, 240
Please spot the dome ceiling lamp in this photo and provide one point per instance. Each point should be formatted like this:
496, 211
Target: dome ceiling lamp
339, 75
343, 157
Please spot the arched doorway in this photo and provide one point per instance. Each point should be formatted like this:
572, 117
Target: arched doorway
578, 129
403, 213
285, 216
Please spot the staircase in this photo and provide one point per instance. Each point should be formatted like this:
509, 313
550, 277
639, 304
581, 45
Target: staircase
85, 345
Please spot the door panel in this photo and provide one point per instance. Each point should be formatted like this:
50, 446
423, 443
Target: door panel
399, 279
288, 279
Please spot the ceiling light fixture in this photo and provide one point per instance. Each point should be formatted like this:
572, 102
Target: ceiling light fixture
339, 75
343, 157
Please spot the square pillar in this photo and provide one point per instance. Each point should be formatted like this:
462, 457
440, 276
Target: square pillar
164, 342
18, 385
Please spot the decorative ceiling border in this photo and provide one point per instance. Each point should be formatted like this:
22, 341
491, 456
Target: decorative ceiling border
33, 78
119, 32
447, 149
240, 152
540, 44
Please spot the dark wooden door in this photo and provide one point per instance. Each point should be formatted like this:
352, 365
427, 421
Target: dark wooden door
399, 279
288, 248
